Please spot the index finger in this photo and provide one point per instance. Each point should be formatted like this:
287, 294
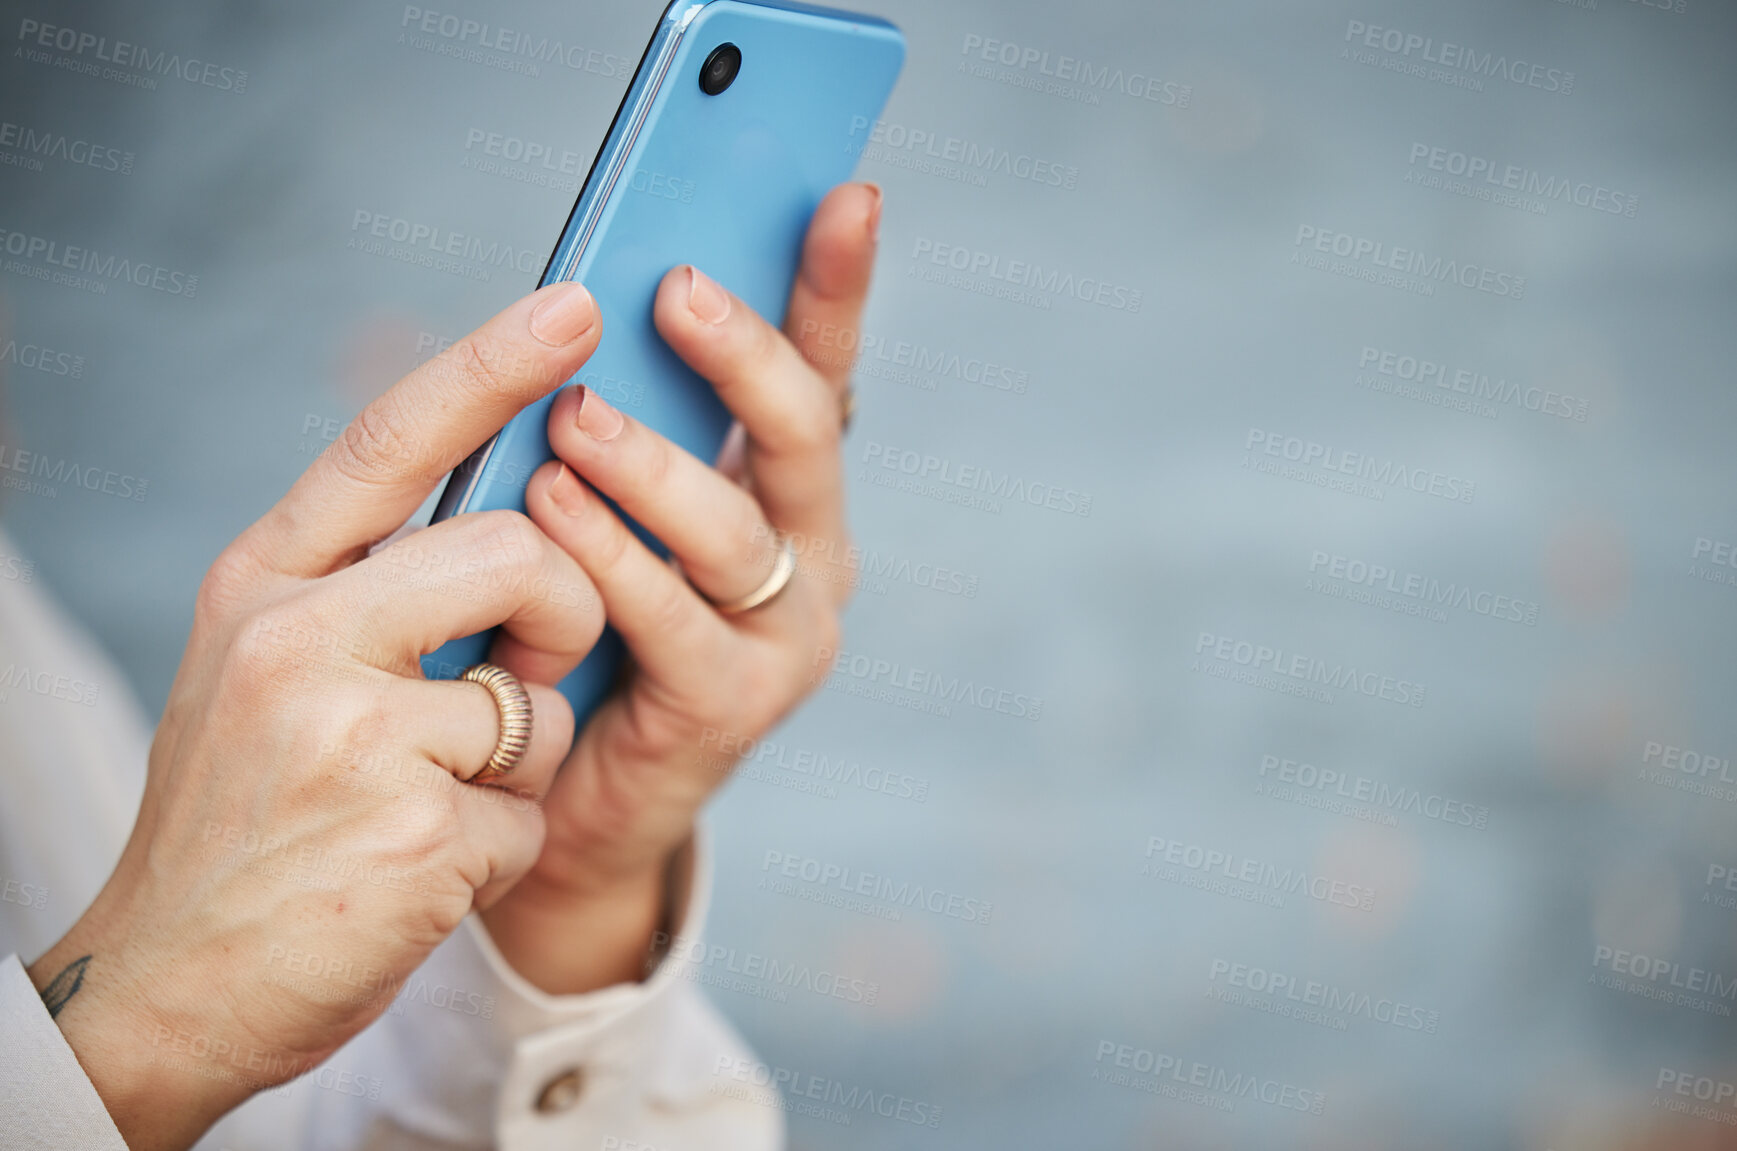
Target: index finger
378, 472
826, 301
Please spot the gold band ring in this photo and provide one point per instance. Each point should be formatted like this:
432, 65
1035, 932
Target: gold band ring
515, 708
782, 569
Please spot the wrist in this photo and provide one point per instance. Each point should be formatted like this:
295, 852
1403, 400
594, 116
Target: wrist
162, 1074
568, 935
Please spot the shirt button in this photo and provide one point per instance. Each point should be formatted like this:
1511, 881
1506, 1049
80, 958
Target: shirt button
561, 1092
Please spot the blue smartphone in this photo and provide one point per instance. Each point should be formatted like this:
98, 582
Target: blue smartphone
738, 120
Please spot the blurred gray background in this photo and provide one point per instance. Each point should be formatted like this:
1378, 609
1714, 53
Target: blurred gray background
1270, 128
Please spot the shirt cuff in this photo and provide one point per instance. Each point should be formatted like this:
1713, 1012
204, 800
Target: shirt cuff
476, 1052
46, 1099
527, 1009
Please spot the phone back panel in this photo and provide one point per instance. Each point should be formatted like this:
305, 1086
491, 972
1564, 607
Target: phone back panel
727, 183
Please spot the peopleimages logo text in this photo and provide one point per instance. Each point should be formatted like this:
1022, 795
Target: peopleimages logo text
1166, 1070
882, 887
1313, 993
1306, 777
1363, 252
60, 146
984, 481
531, 153
51, 685
1258, 873
1451, 57
443, 242
753, 965
1424, 588
1655, 969
135, 56
1361, 465
1069, 70
925, 683
886, 140
60, 470
855, 1100
41, 359
867, 352
1308, 669
1474, 384
1688, 761
1526, 181
728, 748
1027, 275
52, 253
509, 42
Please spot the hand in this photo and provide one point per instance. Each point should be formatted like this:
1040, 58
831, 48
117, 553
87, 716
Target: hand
305, 838
701, 681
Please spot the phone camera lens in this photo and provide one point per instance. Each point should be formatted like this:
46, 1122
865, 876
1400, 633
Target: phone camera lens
719, 70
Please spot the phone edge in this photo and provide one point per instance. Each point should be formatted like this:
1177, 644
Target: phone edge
642, 90
569, 248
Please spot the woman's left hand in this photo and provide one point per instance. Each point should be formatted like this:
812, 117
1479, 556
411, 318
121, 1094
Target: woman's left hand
702, 682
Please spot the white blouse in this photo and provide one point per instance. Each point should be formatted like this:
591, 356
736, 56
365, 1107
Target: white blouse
470, 1055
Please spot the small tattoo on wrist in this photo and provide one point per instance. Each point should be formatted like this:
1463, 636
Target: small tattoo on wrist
64, 986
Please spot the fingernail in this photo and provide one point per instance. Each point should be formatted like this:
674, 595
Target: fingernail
564, 490
596, 418
706, 299
565, 313
874, 214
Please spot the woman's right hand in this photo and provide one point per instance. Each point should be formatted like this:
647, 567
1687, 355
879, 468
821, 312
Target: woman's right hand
306, 836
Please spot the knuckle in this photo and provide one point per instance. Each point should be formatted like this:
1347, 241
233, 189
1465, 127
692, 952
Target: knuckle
812, 658
507, 541
424, 820
764, 345
379, 444
817, 429
445, 916
610, 551
227, 583
429, 827
748, 353
268, 644
848, 573
494, 365
360, 722
756, 537
593, 620
809, 660
658, 463
520, 852
828, 632
762, 695
671, 613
